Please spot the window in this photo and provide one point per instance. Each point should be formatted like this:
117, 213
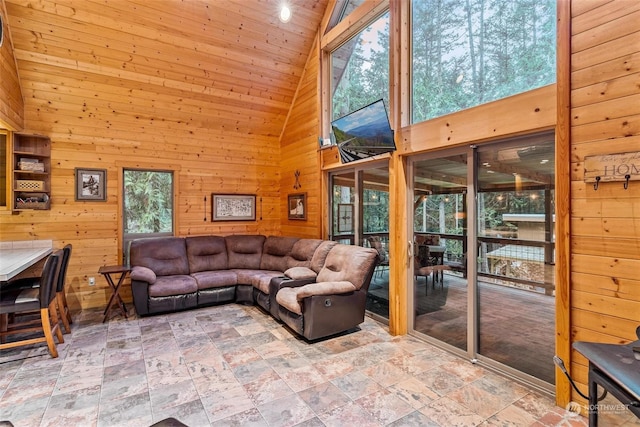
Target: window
469, 53
148, 205
360, 69
341, 10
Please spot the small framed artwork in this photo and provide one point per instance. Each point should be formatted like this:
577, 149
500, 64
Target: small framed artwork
233, 207
297, 204
345, 218
91, 184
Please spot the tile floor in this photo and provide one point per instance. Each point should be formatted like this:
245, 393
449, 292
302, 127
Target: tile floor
233, 365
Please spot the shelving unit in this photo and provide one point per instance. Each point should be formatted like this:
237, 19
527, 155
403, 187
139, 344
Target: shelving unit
31, 172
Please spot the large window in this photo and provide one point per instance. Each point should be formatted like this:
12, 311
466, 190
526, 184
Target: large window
473, 52
148, 204
360, 69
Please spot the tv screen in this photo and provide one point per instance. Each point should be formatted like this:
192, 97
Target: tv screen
364, 133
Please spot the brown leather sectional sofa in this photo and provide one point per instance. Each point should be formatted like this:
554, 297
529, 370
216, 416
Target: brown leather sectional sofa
316, 287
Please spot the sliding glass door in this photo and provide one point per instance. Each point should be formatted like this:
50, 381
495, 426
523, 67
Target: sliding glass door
483, 268
515, 241
360, 216
440, 286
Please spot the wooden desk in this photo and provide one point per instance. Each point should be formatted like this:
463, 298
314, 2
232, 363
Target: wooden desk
107, 271
16, 260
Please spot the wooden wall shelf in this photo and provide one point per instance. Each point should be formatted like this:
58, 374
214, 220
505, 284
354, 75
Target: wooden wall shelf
31, 172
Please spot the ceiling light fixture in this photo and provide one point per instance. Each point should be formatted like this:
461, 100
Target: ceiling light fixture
285, 13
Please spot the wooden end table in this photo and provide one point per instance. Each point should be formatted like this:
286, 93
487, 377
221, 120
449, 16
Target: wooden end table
107, 271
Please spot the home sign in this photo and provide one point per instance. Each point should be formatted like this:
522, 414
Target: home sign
623, 167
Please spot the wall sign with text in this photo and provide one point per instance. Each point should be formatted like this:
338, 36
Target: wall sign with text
623, 167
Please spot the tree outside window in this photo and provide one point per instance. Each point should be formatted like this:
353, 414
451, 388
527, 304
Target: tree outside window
148, 204
471, 52
360, 69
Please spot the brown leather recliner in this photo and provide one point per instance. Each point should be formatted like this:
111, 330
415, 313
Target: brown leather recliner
335, 302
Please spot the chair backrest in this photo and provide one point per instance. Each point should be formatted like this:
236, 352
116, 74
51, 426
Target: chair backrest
422, 255
48, 280
432, 239
376, 243
62, 275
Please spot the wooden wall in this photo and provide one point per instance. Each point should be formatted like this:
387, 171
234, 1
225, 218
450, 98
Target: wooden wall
108, 113
11, 104
116, 120
605, 225
299, 152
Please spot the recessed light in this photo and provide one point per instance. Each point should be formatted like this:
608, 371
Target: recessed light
285, 13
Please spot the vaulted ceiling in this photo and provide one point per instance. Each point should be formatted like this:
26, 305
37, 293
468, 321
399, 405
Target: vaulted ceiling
228, 61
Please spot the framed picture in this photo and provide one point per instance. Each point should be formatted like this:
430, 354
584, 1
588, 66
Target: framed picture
91, 184
297, 204
345, 218
233, 207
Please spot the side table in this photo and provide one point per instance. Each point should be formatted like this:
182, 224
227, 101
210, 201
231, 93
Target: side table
107, 271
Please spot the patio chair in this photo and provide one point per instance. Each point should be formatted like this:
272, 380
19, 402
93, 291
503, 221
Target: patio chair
383, 255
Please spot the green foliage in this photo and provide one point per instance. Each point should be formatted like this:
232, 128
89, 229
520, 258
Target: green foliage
148, 201
466, 53
365, 75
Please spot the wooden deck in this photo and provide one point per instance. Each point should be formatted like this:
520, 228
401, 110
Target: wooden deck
516, 326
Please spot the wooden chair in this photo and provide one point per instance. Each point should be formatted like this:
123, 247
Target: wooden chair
42, 298
61, 298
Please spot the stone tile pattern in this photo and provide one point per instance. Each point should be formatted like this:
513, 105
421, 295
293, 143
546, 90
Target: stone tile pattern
234, 365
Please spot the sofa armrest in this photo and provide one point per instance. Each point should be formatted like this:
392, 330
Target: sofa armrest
278, 283
291, 298
324, 288
140, 294
300, 273
143, 274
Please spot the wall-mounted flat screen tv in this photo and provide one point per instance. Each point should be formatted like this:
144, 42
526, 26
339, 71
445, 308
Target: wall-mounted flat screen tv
364, 133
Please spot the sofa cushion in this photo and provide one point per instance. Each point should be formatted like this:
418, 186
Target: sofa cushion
275, 252
298, 273
166, 256
215, 279
261, 281
348, 263
245, 251
173, 285
302, 252
206, 253
143, 274
257, 278
320, 255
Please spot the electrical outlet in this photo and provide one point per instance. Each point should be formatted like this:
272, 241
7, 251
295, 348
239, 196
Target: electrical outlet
92, 281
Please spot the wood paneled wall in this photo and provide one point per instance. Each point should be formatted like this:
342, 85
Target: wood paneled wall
11, 104
165, 86
112, 112
605, 225
299, 152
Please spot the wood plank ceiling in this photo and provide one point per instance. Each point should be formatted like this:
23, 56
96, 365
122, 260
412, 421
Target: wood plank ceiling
228, 65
